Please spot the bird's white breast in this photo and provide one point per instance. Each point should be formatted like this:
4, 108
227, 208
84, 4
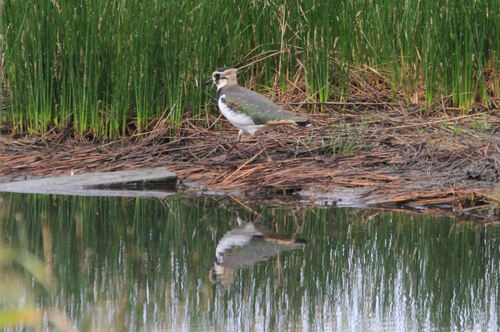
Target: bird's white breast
236, 238
239, 120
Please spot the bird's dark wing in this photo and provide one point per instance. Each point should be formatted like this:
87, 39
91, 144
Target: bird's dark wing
259, 108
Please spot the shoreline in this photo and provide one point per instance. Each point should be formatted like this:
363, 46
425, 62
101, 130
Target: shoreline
390, 157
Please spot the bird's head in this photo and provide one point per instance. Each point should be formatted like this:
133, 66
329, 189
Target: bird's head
223, 77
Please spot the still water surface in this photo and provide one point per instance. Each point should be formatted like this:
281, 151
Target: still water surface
212, 264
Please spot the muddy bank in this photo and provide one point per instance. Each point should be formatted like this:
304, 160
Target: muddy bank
374, 153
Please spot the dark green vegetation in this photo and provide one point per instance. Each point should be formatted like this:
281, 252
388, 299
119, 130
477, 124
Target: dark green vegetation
114, 67
135, 264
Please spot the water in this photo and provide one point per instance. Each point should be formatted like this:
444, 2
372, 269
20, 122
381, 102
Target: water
136, 264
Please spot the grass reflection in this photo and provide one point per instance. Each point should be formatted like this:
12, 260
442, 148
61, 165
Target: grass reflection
131, 264
23, 277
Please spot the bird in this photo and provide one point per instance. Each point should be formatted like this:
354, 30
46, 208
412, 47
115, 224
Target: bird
247, 110
246, 245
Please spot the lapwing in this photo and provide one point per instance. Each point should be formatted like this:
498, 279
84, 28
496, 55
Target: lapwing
246, 109
245, 245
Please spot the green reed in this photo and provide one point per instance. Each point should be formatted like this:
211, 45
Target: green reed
112, 68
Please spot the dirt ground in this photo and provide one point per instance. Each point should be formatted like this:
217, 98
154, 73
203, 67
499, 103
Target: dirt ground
368, 153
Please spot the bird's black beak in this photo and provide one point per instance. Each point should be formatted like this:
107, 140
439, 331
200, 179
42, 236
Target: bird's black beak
207, 82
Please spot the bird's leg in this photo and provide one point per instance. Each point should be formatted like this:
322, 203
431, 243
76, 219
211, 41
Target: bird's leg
240, 133
264, 148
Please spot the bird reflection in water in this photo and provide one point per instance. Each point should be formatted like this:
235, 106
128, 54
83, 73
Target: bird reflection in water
246, 245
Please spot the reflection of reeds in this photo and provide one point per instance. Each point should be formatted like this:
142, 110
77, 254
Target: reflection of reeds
115, 67
147, 265
18, 300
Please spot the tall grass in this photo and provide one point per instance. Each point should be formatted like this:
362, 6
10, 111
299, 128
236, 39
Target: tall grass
113, 67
